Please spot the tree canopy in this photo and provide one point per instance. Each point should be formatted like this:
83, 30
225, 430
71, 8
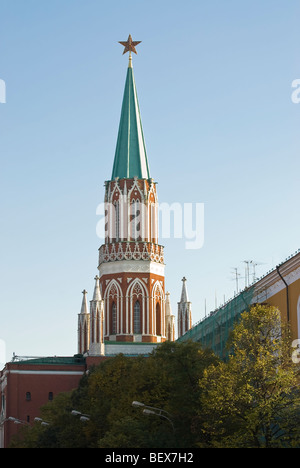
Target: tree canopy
253, 399
249, 400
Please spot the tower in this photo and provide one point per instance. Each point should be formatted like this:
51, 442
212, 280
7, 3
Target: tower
83, 325
96, 345
90, 323
170, 320
184, 311
131, 291
131, 263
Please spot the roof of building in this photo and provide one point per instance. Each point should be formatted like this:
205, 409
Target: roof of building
77, 359
130, 156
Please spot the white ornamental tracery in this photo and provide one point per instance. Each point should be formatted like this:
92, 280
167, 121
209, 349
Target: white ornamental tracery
158, 314
131, 214
137, 291
113, 295
131, 251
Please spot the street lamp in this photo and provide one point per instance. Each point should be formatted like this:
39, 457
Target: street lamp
40, 420
147, 410
138, 404
17, 421
83, 417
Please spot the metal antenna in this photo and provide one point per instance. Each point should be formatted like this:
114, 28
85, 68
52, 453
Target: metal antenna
236, 279
247, 273
254, 265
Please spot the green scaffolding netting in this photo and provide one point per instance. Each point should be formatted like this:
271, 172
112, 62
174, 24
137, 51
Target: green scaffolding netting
213, 331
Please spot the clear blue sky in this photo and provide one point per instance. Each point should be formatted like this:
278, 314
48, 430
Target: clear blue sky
214, 85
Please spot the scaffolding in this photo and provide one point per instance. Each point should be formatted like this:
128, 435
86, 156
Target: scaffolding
213, 331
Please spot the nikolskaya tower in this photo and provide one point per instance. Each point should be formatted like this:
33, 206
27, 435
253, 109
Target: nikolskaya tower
129, 311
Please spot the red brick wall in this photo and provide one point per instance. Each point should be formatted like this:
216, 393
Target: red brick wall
39, 380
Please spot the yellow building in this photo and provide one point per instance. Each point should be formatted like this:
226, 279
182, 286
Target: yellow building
279, 287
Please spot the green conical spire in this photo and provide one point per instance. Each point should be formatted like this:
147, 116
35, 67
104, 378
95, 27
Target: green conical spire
130, 157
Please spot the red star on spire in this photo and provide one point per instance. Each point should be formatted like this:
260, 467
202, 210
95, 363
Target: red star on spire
130, 45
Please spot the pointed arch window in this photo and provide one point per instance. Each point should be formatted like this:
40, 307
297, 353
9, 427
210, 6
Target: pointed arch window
97, 327
135, 219
137, 318
114, 319
117, 221
85, 337
158, 319
186, 321
93, 329
153, 222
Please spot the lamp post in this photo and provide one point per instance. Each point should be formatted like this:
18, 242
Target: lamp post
43, 423
17, 421
147, 410
83, 417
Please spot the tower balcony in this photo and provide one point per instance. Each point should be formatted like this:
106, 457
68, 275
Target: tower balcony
117, 251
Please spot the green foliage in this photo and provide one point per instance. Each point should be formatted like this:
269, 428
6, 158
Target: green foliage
251, 400
167, 379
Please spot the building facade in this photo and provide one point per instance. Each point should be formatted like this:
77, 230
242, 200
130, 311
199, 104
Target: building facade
27, 384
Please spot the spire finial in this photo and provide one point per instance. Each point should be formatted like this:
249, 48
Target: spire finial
84, 305
97, 293
130, 156
184, 294
129, 47
130, 60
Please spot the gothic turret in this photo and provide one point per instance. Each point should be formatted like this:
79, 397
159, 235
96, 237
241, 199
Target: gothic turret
170, 320
184, 311
83, 325
96, 346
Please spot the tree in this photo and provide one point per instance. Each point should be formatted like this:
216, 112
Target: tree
167, 379
253, 399
63, 429
183, 364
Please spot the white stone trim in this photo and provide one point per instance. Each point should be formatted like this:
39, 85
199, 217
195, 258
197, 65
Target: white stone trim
119, 305
157, 290
130, 305
263, 290
128, 266
131, 349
